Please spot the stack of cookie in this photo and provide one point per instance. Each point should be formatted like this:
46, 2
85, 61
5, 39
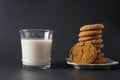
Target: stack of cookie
92, 33
88, 49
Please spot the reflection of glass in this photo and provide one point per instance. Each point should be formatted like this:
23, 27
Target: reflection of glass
36, 48
36, 75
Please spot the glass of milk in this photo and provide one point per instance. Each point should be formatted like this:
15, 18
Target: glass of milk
36, 48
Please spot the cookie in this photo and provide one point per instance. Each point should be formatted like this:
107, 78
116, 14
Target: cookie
83, 53
99, 61
89, 38
95, 41
98, 50
90, 33
91, 27
100, 55
99, 45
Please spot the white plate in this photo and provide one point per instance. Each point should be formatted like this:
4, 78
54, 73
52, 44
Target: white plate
107, 65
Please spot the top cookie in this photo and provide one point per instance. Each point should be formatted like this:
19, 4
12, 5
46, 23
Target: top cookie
91, 27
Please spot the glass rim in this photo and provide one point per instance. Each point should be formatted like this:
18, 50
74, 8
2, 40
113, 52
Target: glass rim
36, 30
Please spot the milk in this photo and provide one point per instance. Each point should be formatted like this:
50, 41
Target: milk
36, 52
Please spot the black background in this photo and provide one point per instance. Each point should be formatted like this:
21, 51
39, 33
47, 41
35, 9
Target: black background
64, 17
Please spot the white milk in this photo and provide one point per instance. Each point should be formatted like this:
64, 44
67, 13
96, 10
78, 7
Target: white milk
36, 52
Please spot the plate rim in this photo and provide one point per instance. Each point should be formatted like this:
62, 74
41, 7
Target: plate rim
105, 64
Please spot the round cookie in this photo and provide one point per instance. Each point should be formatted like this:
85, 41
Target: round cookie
89, 33
91, 27
89, 38
83, 53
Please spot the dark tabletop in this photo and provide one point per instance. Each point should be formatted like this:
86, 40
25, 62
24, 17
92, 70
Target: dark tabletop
58, 72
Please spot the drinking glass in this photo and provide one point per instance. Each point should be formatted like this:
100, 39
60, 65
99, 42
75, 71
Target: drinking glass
36, 48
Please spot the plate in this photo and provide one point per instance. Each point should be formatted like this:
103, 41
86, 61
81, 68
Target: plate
107, 65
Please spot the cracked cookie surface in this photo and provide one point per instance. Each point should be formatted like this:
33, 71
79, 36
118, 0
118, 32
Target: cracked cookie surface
83, 54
